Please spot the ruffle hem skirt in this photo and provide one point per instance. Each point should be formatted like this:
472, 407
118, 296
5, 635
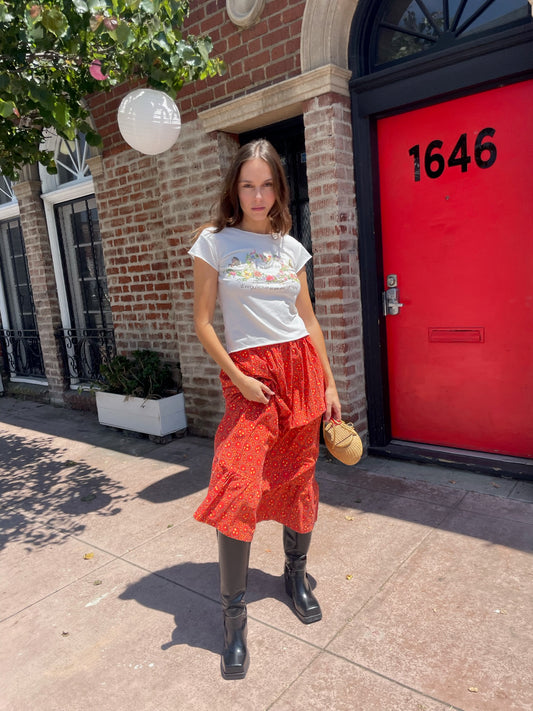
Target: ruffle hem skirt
265, 455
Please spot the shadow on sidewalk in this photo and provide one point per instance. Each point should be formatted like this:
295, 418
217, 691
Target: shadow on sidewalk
40, 486
42, 493
177, 486
495, 520
197, 616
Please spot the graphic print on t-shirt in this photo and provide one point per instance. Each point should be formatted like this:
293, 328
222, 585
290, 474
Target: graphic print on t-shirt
259, 268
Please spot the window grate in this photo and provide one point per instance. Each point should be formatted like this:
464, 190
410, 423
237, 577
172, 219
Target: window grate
83, 263
20, 338
404, 29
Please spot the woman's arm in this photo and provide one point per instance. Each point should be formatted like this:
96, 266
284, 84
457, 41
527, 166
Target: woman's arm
305, 309
205, 296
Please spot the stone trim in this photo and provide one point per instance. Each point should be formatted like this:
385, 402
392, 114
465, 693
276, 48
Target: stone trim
326, 28
96, 166
244, 13
29, 172
27, 190
277, 102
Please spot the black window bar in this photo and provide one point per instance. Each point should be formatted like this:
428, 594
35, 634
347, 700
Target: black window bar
21, 345
404, 28
84, 350
90, 341
21, 353
83, 263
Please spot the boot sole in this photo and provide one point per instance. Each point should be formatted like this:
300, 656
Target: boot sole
240, 674
316, 617
306, 619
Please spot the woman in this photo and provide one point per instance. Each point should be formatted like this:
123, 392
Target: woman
276, 380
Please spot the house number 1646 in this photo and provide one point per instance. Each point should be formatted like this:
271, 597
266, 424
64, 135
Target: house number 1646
485, 154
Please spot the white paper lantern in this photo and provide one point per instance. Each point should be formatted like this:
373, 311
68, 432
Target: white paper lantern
149, 121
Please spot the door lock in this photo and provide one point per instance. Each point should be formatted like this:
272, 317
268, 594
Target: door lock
391, 305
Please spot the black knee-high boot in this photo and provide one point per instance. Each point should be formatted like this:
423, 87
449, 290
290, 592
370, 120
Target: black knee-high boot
233, 558
296, 546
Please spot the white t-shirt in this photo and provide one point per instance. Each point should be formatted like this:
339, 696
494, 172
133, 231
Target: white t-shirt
257, 285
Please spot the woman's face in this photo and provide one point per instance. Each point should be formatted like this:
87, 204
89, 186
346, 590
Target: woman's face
256, 195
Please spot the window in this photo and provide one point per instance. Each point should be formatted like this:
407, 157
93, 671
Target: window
20, 339
71, 161
83, 260
407, 28
6, 191
72, 219
89, 340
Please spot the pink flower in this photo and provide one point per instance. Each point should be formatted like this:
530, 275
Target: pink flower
95, 70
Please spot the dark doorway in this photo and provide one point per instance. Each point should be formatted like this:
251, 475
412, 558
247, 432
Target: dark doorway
288, 139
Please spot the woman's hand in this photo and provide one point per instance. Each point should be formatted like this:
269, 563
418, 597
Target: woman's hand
253, 389
205, 295
306, 311
333, 405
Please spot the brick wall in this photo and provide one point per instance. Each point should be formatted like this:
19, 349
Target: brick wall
261, 55
149, 206
134, 240
328, 138
190, 177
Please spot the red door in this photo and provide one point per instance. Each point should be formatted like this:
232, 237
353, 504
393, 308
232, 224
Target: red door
456, 189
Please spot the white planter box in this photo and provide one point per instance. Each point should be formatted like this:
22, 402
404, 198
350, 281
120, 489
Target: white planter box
152, 417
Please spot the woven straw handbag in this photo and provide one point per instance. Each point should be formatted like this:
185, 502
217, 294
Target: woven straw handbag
342, 441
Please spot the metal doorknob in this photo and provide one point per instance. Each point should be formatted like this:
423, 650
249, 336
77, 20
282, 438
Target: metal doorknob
391, 305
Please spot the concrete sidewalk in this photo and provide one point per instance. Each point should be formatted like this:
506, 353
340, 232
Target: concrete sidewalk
108, 587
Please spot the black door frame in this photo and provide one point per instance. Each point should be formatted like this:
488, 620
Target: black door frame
489, 62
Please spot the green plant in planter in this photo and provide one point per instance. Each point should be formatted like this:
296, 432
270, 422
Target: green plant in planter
143, 375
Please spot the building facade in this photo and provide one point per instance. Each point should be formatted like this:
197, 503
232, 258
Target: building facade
405, 129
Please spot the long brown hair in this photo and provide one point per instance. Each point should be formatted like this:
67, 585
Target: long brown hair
228, 211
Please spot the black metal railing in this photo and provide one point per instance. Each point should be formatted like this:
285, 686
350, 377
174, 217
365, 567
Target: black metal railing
84, 351
21, 352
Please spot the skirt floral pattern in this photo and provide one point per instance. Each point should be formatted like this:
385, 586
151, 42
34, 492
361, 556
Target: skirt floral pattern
265, 455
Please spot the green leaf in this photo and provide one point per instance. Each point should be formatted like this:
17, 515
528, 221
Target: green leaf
161, 41
93, 138
68, 132
6, 108
95, 5
41, 95
5, 15
204, 52
54, 21
151, 7
61, 113
81, 6
94, 22
124, 34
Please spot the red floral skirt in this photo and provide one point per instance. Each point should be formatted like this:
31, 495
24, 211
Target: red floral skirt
265, 455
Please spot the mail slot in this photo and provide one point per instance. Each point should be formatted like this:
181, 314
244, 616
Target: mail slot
456, 335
